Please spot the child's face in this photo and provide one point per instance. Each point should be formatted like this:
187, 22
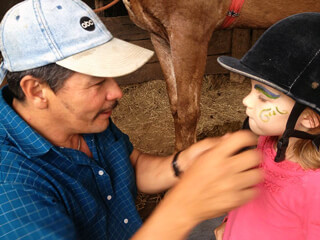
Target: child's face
268, 109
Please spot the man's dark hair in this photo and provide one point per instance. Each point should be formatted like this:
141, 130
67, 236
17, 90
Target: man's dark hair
52, 74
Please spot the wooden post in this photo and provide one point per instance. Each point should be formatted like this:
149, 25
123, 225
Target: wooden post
220, 44
256, 33
241, 42
98, 4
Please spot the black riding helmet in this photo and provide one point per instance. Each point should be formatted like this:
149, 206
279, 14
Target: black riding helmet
287, 57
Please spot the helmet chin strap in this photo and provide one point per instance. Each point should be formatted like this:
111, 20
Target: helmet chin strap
290, 132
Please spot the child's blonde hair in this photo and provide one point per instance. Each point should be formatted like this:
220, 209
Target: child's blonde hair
308, 155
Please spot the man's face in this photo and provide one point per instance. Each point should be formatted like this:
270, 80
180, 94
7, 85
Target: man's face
84, 104
268, 109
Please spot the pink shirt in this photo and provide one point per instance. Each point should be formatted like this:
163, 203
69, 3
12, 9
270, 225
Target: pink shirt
287, 207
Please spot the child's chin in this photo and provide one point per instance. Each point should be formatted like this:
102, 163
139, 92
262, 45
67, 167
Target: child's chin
255, 132
253, 128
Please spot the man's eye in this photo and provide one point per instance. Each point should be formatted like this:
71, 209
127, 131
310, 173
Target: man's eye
100, 83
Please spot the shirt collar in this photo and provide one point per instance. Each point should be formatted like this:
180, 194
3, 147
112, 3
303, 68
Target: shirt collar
17, 130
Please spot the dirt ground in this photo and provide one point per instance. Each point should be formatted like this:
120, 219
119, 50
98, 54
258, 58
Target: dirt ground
144, 114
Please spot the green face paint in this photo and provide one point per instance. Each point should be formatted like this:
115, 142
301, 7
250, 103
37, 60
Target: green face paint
266, 92
267, 113
283, 112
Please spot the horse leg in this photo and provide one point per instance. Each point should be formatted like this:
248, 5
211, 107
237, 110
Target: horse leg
163, 52
189, 68
180, 38
183, 67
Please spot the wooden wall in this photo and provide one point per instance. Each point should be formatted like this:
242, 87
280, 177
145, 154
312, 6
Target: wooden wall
224, 42
234, 42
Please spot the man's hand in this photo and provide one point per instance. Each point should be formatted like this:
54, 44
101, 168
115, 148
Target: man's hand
220, 179
192, 153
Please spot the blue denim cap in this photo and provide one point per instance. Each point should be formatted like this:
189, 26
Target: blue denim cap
35, 33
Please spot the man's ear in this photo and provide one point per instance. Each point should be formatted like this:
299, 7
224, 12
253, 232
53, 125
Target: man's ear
309, 120
34, 91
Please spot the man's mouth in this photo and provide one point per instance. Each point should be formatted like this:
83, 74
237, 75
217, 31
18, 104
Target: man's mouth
107, 112
113, 106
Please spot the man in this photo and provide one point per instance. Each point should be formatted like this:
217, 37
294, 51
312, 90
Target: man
66, 171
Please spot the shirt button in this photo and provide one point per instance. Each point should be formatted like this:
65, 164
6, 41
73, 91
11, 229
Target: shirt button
109, 197
100, 172
126, 220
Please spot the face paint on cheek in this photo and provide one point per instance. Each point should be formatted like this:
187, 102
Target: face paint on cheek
281, 112
264, 115
267, 113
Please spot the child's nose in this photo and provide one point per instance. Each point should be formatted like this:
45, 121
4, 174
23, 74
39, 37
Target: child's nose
246, 101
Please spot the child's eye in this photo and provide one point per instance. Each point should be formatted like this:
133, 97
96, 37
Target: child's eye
262, 99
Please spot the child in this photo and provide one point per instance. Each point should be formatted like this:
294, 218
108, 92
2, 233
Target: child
283, 107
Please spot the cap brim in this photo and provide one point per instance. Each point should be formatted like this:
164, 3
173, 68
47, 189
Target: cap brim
114, 58
235, 65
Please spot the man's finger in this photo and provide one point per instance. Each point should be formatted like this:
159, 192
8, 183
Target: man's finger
209, 142
232, 144
248, 179
245, 160
246, 195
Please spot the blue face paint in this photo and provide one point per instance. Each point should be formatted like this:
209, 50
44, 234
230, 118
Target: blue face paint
266, 92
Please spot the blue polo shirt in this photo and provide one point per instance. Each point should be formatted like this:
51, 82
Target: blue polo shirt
49, 192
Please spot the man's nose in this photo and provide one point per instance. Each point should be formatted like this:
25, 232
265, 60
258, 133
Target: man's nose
113, 90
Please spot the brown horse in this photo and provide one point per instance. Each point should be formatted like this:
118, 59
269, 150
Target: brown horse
180, 32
